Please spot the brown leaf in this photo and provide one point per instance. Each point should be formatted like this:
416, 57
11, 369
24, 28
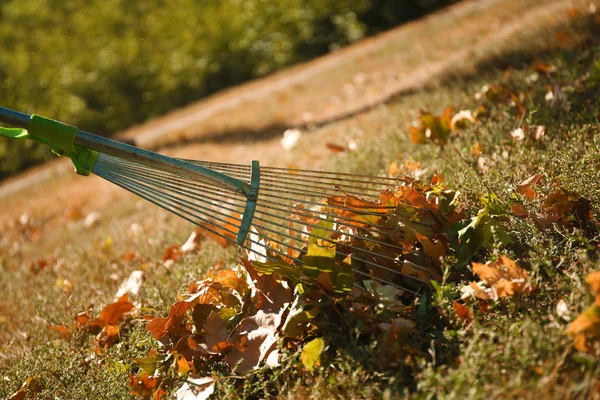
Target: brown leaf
336, 148
146, 386
434, 250
432, 128
542, 67
30, 388
504, 276
172, 253
113, 313
224, 233
62, 329
254, 341
161, 327
526, 187
106, 338
462, 312
216, 334
519, 210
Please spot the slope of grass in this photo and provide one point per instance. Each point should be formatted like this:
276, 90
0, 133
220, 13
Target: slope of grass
515, 348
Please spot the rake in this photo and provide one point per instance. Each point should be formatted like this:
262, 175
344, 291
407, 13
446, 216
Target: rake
275, 214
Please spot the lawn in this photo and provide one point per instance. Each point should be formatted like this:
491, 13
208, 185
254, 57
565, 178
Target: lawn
526, 158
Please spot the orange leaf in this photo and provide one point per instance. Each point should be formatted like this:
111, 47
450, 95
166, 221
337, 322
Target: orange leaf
542, 67
519, 210
463, 312
172, 253
525, 187
62, 329
393, 169
159, 327
506, 277
224, 233
335, 147
435, 250
113, 313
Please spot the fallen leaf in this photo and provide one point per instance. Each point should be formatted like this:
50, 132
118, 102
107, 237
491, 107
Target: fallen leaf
113, 313
193, 243
432, 128
462, 120
196, 388
336, 148
504, 276
393, 169
30, 388
537, 133
519, 210
543, 68
131, 285
526, 187
518, 134
311, 353
62, 329
290, 138
171, 255
462, 312
254, 341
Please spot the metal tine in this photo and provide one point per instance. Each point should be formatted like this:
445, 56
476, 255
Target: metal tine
160, 193
302, 182
114, 161
289, 183
179, 201
192, 195
302, 172
263, 200
162, 204
390, 245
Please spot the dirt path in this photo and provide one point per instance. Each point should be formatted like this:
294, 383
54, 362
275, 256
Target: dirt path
245, 123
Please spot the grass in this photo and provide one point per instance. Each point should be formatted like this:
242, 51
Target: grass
517, 348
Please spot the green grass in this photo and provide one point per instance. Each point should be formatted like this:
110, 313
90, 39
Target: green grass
517, 348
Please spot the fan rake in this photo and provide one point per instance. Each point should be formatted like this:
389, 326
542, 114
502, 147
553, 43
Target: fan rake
276, 214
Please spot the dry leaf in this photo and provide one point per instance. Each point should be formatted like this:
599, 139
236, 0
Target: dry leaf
336, 148
131, 285
519, 210
196, 388
461, 120
62, 329
542, 67
113, 313
526, 187
505, 277
393, 169
254, 341
462, 312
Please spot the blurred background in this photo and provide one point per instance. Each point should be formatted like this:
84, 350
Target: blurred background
105, 65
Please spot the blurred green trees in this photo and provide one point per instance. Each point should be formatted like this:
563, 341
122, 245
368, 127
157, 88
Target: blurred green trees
106, 64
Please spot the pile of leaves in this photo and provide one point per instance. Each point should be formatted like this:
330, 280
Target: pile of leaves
271, 307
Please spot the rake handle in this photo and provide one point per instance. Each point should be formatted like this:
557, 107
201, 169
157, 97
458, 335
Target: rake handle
14, 118
136, 154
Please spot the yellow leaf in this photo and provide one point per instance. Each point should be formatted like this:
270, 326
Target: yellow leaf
312, 353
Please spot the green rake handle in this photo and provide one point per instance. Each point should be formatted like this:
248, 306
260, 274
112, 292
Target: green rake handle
83, 148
